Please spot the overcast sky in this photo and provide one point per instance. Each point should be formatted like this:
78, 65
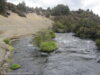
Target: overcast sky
73, 4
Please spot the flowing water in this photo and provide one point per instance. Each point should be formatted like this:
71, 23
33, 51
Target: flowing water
74, 57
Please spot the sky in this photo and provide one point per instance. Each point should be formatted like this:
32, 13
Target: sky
93, 5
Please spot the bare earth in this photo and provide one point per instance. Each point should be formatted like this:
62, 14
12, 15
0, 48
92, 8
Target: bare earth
15, 26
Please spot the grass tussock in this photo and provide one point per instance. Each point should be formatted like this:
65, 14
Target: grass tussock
8, 42
49, 46
44, 40
42, 36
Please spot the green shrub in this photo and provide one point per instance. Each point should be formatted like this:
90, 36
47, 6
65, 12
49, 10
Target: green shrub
42, 36
60, 10
21, 14
47, 14
59, 25
98, 42
48, 46
7, 41
52, 34
15, 66
37, 40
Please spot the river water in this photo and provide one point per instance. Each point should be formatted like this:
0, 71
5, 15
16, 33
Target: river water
73, 57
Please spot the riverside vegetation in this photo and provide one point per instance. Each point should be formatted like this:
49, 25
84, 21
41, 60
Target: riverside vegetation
11, 49
44, 40
84, 23
8, 42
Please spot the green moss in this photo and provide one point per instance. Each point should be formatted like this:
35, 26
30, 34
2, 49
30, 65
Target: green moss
11, 48
98, 42
48, 46
7, 41
15, 66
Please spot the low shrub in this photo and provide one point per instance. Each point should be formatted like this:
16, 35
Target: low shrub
37, 40
7, 41
98, 42
53, 35
59, 27
21, 14
42, 36
47, 15
44, 40
15, 66
11, 48
48, 46
58, 24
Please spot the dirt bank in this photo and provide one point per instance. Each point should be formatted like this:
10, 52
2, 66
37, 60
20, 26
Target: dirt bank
15, 25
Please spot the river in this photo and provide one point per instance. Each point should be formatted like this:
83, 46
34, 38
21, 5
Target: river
74, 56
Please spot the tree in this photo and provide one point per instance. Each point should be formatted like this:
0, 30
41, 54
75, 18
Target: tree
22, 7
2, 6
60, 10
49, 10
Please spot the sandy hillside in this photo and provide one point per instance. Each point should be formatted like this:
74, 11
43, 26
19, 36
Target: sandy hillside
15, 25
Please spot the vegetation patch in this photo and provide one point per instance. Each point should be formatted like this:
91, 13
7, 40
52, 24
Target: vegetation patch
52, 34
59, 27
49, 46
84, 23
11, 48
44, 40
98, 43
8, 60
7, 41
41, 36
15, 66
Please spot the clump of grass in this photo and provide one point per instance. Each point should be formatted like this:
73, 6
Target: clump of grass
49, 46
52, 34
45, 35
7, 41
8, 60
11, 48
15, 66
44, 40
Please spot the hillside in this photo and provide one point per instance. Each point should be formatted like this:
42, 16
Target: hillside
15, 25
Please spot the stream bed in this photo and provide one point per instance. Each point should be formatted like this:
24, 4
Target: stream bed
74, 56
